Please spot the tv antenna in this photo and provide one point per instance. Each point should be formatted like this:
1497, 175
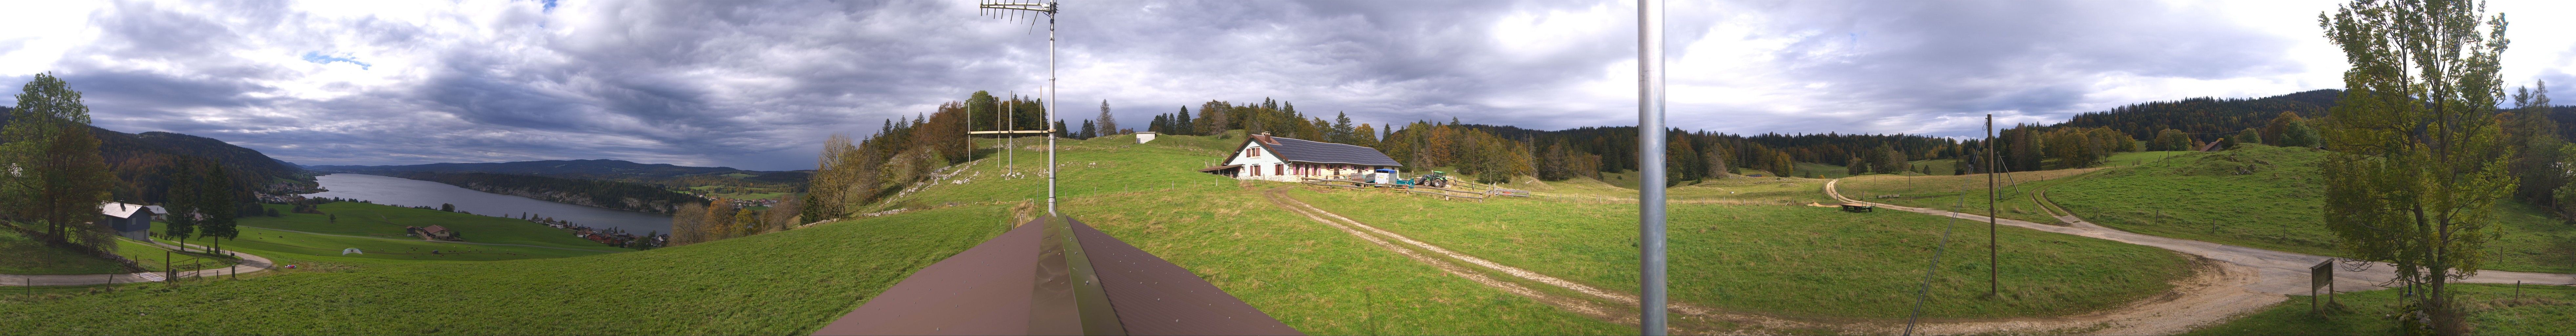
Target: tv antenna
1015, 11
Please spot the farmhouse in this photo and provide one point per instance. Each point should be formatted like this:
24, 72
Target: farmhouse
128, 220
1265, 157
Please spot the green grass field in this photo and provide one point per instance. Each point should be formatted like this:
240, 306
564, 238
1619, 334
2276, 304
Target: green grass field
2272, 198
27, 256
153, 258
1312, 277
781, 283
2540, 310
372, 220
383, 227
1945, 192
1789, 260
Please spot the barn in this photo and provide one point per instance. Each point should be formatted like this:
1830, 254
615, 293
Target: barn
1265, 157
127, 220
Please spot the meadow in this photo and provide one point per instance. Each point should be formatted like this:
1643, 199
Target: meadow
1963, 193
1312, 277
30, 257
782, 283
2273, 198
1749, 257
2496, 310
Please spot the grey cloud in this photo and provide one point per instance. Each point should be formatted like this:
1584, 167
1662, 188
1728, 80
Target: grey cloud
756, 84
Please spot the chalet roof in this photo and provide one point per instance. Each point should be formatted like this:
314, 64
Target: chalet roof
1294, 150
157, 209
434, 229
122, 210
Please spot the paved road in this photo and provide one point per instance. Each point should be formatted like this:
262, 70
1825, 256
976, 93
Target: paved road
249, 264
2281, 272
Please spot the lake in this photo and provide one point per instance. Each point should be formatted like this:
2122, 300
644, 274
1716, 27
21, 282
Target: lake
410, 192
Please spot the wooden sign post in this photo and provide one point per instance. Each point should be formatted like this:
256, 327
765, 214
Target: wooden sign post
2320, 276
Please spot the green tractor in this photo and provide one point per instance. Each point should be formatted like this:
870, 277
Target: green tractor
1437, 179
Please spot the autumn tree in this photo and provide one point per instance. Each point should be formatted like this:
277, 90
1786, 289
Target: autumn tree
56, 178
2417, 159
686, 224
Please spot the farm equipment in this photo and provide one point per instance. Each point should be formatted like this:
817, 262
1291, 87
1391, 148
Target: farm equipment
1435, 179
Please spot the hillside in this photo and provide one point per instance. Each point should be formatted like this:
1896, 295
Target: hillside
140, 162
1311, 277
2206, 115
582, 169
2272, 198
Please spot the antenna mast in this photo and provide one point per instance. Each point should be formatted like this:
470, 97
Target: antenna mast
1014, 11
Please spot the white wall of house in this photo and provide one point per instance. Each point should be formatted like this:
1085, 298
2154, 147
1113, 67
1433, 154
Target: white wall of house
1268, 166
1258, 163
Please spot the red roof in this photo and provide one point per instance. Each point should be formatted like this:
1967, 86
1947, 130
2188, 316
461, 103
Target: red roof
434, 229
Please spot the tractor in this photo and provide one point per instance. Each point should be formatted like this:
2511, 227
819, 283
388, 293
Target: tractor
1437, 179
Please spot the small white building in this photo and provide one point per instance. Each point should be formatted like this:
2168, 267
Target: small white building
1265, 157
1144, 137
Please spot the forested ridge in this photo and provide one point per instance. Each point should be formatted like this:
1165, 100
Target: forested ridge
142, 163
604, 194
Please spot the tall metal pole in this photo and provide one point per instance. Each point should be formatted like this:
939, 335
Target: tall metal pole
1010, 143
1994, 267
1050, 108
1650, 166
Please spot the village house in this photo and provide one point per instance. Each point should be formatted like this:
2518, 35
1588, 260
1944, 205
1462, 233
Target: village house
127, 220
1265, 157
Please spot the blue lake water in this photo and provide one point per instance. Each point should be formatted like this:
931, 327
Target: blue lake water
409, 192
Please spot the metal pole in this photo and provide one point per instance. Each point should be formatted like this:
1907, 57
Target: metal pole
1994, 269
1650, 166
1050, 108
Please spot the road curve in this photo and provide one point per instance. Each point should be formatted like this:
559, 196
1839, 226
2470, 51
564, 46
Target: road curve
2280, 272
249, 264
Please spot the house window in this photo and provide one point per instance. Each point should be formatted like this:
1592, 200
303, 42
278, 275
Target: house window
1252, 152
1279, 169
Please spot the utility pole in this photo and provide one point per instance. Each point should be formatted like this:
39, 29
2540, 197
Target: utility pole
1049, 9
1650, 163
1994, 269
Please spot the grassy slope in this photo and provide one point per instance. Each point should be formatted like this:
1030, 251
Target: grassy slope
2542, 310
24, 255
1794, 260
152, 258
1316, 279
382, 221
1944, 192
371, 220
782, 283
2277, 203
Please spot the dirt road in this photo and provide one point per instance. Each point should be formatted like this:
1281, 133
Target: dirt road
249, 264
2275, 273
2213, 294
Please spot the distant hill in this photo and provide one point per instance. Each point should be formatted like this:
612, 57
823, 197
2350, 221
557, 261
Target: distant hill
586, 169
2207, 115
677, 177
140, 161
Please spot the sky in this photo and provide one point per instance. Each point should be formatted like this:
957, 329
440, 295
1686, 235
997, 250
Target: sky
759, 85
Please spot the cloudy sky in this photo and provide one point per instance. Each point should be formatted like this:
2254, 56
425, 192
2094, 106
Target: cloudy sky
758, 85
